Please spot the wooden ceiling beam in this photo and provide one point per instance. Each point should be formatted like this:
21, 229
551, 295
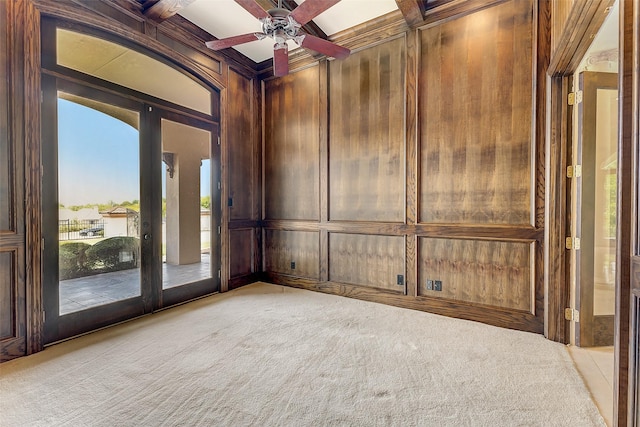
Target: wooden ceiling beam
309, 28
165, 9
412, 10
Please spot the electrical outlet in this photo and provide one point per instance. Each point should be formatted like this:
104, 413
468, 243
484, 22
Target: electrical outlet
400, 280
429, 285
293, 265
437, 285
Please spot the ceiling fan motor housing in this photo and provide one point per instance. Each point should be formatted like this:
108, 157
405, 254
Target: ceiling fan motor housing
280, 26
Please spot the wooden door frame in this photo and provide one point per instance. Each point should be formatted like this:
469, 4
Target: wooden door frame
628, 249
584, 19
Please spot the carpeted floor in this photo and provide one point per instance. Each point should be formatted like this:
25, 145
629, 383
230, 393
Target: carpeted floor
267, 355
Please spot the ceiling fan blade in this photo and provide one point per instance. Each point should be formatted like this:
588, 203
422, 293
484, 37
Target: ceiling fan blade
253, 8
310, 9
231, 41
280, 61
325, 47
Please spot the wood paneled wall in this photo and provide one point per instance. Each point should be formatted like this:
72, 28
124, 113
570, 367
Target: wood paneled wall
244, 171
417, 158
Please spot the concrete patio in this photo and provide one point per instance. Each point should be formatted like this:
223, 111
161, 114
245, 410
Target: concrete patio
91, 291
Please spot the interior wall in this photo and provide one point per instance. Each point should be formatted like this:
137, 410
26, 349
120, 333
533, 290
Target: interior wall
444, 216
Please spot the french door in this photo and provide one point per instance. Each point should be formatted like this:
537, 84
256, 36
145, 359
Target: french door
131, 211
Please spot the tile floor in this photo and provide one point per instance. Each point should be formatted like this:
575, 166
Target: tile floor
91, 291
595, 364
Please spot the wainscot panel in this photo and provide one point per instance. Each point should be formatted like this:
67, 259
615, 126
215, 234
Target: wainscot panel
241, 245
367, 260
485, 272
292, 252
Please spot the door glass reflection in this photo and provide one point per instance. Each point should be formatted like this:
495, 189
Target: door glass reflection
99, 209
186, 204
605, 202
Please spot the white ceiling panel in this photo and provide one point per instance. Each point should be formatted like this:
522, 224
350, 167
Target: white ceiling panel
349, 13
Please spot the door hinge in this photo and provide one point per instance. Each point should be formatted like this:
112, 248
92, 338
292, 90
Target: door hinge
42, 248
219, 186
44, 316
574, 98
218, 139
574, 171
572, 243
572, 314
219, 229
219, 274
41, 97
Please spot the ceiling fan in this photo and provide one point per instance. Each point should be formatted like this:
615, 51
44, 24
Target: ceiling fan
281, 25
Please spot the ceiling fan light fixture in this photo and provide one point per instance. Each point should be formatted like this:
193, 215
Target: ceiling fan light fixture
281, 25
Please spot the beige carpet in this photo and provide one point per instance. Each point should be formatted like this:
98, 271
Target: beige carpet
267, 355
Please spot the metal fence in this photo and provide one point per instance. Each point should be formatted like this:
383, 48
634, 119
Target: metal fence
74, 229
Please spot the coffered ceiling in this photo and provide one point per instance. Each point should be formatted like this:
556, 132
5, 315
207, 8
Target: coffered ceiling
226, 18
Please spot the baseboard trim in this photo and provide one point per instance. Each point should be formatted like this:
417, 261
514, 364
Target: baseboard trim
490, 315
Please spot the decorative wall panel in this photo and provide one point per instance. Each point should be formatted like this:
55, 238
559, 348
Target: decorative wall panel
291, 158
292, 252
7, 295
241, 244
241, 140
476, 110
491, 273
366, 134
367, 260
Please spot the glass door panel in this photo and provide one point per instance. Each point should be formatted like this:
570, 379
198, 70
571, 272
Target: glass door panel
606, 165
98, 203
595, 219
186, 204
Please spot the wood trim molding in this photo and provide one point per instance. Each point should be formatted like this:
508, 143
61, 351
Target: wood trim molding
195, 37
165, 9
32, 173
454, 9
628, 147
584, 21
487, 232
412, 10
556, 285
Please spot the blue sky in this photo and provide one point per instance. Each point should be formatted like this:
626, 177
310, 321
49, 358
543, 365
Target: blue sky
98, 158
